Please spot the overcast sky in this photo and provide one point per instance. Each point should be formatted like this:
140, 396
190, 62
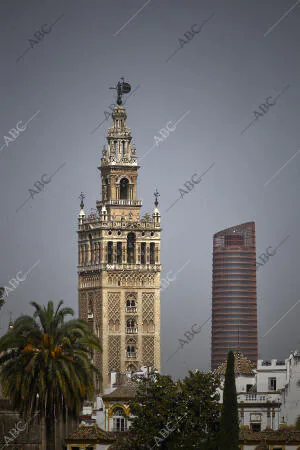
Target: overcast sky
237, 56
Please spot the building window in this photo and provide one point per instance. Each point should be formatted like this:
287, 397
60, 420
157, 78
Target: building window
143, 253
152, 253
130, 306
131, 368
255, 427
249, 387
272, 384
124, 189
90, 307
110, 252
131, 353
123, 148
119, 252
119, 420
131, 327
131, 248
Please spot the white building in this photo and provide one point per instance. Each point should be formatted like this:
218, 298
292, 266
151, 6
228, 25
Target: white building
290, 394
268, 395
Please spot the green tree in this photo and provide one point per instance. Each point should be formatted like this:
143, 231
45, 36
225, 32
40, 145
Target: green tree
171, 415
154, 405
200, 398
46, 365
229, 430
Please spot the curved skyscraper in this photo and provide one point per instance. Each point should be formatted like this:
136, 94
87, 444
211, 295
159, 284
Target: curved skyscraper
234, 303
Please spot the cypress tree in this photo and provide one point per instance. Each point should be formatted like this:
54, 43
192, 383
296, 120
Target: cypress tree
229, 431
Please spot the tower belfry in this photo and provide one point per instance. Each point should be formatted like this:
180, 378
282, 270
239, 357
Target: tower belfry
119, 260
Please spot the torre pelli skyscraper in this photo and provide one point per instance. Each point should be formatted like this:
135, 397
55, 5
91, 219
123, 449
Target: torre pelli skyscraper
119, 260
234, 302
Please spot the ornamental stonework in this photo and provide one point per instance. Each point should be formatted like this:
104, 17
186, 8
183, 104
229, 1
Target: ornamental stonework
114, 355
147, 306
148, 350
114, 306
131, 279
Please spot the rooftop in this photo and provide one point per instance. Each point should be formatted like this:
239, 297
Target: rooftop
283, 435
242, 365
126, 391
90, 433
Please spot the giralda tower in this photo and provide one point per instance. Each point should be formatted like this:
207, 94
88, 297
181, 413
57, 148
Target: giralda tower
119, 261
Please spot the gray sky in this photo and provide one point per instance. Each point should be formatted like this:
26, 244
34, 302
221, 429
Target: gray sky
212, 86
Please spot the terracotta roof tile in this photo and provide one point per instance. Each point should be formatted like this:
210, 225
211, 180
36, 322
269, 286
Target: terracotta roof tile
282, 435
126, 391
242, 365
92, 433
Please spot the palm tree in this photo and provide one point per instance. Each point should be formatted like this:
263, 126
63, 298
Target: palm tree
46, 365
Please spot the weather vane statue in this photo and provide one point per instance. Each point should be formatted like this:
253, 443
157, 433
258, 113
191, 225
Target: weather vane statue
156, 195
81, 197
122, 88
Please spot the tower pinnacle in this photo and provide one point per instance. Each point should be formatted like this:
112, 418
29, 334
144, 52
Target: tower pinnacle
121, 88
82, 213
156, 195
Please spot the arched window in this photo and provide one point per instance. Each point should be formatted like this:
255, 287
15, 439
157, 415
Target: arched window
124, 189
86, 254
131, 248
131, 327
110, 252
123, 149
130, 323
143, 253
81, 255
119, 252
91, 249
119, 420
115, 147
131, 305
152, 253
131, 353
90, 305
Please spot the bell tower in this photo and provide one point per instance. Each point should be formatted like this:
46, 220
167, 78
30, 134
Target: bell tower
119, 170
119, 261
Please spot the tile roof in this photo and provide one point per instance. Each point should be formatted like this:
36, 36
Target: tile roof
90, 433
283, 435
242, 365
126, 391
